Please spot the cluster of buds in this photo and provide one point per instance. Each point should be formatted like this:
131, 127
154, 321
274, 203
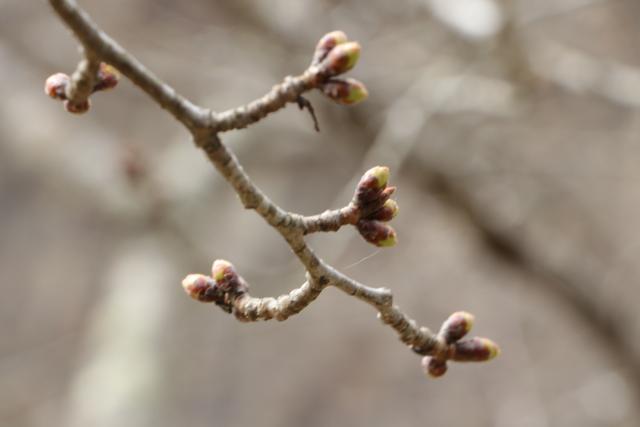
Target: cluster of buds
222, 287
335, 55
375, 207
56, 87
452, 348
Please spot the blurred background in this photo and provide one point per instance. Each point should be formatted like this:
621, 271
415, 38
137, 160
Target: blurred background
512, 132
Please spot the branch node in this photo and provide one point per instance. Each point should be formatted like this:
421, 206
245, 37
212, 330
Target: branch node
369, 210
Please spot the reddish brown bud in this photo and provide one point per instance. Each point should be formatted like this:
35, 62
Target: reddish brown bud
56, 85
372, 184
385, 195
107, 77
77, 107
345, 91
326, 43
474, 350
377, 233
387, 212
456, 326
340, 59
201, 288
226, 277
434, 367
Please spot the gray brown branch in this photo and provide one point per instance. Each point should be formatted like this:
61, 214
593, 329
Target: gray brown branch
205, 125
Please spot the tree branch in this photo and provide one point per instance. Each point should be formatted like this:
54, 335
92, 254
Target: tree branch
289, 90
108, 50
369, 211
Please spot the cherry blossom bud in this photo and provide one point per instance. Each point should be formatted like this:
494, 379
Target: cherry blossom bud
434, 367
56, 85
107, 77
201, 288
345, 91
377, 233
386, 193
340, 59
371, 185
474, 350
77, 107
456, 326
326, 43
226, 277
387, 212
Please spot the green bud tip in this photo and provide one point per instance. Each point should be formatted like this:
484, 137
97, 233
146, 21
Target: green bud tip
392, 206
386, 212
357, 92
391, 240
468, 318
345, 91
107, 78
108, 69
492, 347
220, 268
377, 232
474, 350
341, 58
381, 174
457, 325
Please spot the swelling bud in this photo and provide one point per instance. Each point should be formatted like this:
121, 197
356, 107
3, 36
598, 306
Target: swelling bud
474, 350
345, 91
226, 277
107, 77
326, 43
387, 212
433, 367
456, 326
77, 107
377, 233
56, 85
201, 288
340, 59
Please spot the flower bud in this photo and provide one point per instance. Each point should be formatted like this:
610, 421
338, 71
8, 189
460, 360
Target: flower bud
345, 91
107, 77
474, 350
227, 278
371, 185
387, 212
380, 174
456, 326
340, 59
326, 43
434, 367
77, 107
202, 288
377, 233
386, 194
56, 85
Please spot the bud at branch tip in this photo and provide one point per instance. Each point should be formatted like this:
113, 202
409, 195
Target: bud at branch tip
326, 43
340, 59
345, 91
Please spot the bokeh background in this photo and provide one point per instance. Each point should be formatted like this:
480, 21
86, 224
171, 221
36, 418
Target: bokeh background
512, 131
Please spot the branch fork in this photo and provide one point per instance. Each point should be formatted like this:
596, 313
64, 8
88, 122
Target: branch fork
369, 211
